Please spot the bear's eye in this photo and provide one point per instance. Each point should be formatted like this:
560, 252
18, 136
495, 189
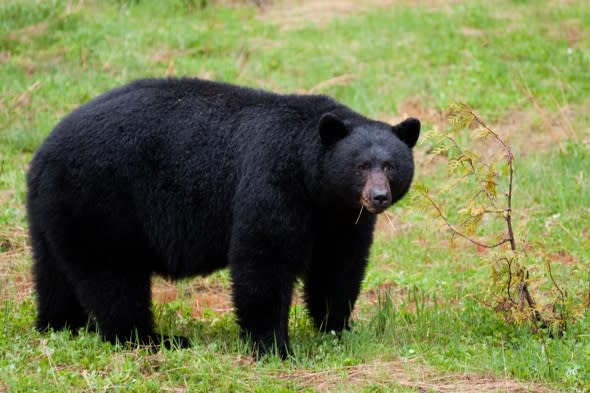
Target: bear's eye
387, 167
363, 166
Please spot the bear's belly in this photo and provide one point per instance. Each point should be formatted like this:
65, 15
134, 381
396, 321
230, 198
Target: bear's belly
202, 262
199, 247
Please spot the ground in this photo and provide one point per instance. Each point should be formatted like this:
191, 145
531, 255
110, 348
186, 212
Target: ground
422, 323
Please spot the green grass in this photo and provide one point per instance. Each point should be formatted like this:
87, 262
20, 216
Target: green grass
431, 319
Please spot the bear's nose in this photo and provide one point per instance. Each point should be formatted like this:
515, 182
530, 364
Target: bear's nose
381, 197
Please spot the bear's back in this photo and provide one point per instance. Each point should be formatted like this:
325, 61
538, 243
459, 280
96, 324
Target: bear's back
127, 159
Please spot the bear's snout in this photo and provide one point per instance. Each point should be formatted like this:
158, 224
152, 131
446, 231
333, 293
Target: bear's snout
381, 196
376, 195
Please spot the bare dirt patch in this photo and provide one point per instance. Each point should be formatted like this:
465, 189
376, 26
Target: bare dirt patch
203, 295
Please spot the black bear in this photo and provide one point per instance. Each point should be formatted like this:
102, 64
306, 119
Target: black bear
181, 177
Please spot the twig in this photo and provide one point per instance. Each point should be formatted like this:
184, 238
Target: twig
459, 233
509, 285
525, 295
390, 222
510, 163
561, 293
359, 216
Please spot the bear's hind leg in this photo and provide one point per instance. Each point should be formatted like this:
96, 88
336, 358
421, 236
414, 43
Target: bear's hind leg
121, 304
57, 304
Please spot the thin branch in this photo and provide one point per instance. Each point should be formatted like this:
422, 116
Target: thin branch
550, 271
509, 285
509, 208
495, 211
563, 311
525, 295
457, 232
510, 163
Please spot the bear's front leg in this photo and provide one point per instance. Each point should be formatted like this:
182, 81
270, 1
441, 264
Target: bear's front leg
333, 279
262, 300
269, 248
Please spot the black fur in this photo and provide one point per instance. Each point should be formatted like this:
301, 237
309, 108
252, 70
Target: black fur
181, 177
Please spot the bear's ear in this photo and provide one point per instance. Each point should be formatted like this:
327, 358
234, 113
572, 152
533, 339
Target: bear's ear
331, 128
408, 131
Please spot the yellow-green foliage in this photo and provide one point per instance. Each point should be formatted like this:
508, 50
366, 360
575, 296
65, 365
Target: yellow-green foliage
476, 179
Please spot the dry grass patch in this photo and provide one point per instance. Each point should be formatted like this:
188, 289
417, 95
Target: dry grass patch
15, 278
535, 129
293, 14
406, 374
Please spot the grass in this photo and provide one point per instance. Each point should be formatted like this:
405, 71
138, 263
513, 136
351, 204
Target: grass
421, 323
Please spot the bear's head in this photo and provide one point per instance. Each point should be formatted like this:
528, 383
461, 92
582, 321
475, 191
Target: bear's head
367, 164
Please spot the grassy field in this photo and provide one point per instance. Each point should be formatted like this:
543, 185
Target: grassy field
423, 322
